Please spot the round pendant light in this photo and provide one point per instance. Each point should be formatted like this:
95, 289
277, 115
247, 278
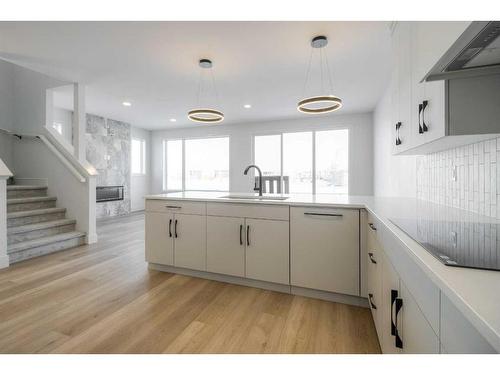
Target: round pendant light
319, 103
204, 114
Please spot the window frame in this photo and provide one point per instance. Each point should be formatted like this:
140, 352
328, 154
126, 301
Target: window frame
143, 156
313, 150
165, 188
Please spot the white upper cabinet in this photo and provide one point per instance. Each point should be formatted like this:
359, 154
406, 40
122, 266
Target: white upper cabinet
419, 108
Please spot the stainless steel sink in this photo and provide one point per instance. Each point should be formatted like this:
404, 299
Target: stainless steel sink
256, 197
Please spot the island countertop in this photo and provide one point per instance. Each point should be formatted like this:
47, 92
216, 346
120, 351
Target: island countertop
474, 292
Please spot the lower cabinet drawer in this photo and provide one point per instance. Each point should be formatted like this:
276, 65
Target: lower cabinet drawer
181, 207
253, 211
458, 336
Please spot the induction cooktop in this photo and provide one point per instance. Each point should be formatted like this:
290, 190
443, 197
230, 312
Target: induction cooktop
457, 244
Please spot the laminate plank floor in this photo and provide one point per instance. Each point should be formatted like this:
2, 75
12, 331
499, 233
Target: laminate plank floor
102, 298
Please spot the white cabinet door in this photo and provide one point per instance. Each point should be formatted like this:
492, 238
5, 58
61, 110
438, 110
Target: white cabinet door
324, 249
267, 250
226, 245
417, 334
404, 54
374, 284
159, 240
390, 286
190, 241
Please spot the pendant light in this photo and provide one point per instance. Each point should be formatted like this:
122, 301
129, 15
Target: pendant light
326, 102
204, 114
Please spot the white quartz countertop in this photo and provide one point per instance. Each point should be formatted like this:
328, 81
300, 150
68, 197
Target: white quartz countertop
476, 293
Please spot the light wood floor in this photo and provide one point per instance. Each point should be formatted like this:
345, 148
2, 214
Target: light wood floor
103, 299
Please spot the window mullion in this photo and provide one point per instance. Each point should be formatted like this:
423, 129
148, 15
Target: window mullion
314, 162
183, 165
281, 164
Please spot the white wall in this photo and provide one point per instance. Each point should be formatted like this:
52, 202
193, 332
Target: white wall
392, 175
65, 118
6, 110
240, 147
141, 184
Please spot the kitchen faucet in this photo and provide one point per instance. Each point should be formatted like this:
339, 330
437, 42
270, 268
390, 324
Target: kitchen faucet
259, 189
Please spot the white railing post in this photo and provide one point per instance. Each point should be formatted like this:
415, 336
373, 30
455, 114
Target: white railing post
79, 120
5, 173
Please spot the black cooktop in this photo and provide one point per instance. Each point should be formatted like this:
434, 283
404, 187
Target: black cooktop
457, 244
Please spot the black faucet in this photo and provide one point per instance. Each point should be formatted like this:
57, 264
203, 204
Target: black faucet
259, 188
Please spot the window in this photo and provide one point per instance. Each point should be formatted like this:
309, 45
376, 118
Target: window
57, 127
138, 156
314, 162
196, 164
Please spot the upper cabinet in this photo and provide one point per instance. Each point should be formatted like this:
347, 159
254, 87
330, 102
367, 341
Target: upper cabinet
421, 118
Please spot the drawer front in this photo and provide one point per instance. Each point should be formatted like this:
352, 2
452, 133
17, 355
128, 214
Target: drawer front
253, 211
423, 290
173, 206
458, 336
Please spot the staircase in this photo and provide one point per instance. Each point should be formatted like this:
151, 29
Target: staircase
35, 226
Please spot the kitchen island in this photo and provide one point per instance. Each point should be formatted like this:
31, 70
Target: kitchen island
325, 246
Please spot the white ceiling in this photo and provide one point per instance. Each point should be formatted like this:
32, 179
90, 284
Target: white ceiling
154, 65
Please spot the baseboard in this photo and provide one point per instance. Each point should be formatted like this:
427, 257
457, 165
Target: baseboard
4, 261
330, 296
312, 293
90, 239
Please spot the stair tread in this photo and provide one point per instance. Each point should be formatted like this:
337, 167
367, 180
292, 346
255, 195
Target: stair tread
42, 225
26, 187
30, 200
41, 211
43, 241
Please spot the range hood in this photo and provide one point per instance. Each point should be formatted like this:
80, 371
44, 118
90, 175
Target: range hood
476, 52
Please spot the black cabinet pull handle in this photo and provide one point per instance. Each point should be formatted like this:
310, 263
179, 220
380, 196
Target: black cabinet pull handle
241, 239
398, 341
398, 139
372, 226
174, 207
370, 297
248, 235
170, 228
394, 296
420, 129
175, 228
424, 106
372, 259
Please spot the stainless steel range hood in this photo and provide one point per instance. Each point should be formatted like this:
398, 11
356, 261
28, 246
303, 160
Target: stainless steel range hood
476, 52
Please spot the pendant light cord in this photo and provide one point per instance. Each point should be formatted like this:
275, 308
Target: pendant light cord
215, 88
307, 73
330, 81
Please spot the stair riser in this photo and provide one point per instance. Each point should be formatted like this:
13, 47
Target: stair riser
45, 249
16, 221
30, 206
26, 193
34, 234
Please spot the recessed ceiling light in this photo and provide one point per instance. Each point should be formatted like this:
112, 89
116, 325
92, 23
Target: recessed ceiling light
247, 106
127, 104
173, 120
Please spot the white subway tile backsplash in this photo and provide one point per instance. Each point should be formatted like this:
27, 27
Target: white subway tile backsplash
478, 177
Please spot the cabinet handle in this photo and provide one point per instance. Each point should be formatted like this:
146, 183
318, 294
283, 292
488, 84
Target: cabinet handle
248, 235
398, 341
175, 228
241, 238
420, 129
321, 214
372, 226
394, 296
174, 207
372, 259
170, 228
398, 139
424, 106
370, 297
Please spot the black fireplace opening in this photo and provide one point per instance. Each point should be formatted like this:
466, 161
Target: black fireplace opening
109, 193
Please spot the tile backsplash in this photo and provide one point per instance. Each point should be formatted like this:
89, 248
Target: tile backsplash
466, 177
